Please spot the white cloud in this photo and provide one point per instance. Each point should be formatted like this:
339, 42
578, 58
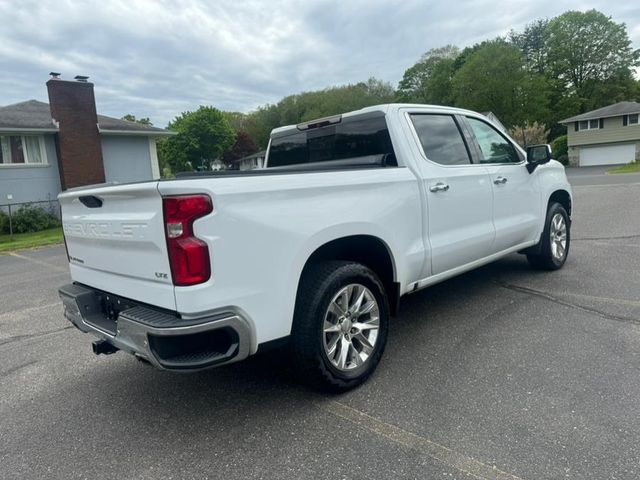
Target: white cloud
159, 58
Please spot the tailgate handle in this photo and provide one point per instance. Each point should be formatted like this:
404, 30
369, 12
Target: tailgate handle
91, 201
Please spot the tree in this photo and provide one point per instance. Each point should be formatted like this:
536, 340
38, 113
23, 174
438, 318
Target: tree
306, 106
494, 78
242, 147
239, 121
461, 59
202, 137
618, 88
142, 121
264, 119
429, 80
587, 49
532, 43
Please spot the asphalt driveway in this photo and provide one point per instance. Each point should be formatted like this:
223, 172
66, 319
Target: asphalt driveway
597, 175
500, 373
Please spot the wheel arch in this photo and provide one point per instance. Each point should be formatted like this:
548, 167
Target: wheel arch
563, 198
368, 250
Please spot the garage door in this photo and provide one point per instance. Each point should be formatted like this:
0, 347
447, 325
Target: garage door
607, 155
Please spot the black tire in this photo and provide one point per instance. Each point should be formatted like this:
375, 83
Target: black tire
319, 284
545, 259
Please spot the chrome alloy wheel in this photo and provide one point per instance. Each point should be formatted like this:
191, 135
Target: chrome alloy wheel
350, 328
558, 237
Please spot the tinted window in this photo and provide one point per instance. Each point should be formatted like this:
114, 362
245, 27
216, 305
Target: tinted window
349, 139
441, 139
494, 148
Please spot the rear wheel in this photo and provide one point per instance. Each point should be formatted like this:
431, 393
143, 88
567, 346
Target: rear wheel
340, 325
555, 240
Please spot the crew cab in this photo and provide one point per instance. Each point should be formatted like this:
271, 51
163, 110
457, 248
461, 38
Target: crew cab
313, 252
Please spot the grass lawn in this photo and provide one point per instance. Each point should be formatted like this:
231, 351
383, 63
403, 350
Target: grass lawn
633, 167
30, 240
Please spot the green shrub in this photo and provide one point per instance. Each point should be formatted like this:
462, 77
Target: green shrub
4, 222
559, 147
563, 159
30, 218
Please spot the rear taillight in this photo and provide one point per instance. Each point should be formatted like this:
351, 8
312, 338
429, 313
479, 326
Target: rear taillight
188, 255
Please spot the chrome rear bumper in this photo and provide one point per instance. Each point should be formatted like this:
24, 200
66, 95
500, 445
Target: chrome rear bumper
162, 338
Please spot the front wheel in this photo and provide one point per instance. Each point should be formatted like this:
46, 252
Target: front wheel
556, 239
340, 325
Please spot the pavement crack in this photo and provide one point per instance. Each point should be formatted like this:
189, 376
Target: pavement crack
19, 338
621, 237
17, 368
14, 313
559, 301
419, 443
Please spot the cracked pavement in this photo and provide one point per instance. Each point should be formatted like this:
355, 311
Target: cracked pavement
503, 372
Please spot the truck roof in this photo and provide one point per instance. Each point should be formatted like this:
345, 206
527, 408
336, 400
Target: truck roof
383, 108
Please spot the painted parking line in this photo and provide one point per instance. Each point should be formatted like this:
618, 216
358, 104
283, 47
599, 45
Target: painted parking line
416, 442
39, 262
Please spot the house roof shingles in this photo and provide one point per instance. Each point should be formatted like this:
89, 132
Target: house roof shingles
615, 110
35, 115
31, 114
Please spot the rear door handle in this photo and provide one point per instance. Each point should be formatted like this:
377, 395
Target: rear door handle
439, 187
500, 181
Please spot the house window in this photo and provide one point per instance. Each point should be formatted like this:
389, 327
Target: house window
589, 124
633, 119
22, 149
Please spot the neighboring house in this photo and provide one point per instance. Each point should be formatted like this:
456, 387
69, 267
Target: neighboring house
606, 136
47, 148
251, 161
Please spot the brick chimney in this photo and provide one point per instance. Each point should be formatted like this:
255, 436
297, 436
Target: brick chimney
73, 107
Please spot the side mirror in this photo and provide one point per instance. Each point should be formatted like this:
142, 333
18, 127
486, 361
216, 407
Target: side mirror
537, 155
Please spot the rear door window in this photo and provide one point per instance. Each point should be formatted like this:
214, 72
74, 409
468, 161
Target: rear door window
351, 138
441, 139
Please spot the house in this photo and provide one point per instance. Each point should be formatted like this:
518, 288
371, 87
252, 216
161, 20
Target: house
47, 148
251, 162
606, 136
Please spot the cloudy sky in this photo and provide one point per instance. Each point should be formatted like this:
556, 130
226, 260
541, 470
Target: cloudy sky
159, 58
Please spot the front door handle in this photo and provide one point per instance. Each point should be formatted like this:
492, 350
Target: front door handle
439, 187
500, 181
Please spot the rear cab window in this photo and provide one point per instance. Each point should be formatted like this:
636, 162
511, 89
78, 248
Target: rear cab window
350, 138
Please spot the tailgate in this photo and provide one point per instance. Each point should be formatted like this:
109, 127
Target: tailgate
116, 242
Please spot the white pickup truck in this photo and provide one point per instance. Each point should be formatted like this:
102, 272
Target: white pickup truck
313, 252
